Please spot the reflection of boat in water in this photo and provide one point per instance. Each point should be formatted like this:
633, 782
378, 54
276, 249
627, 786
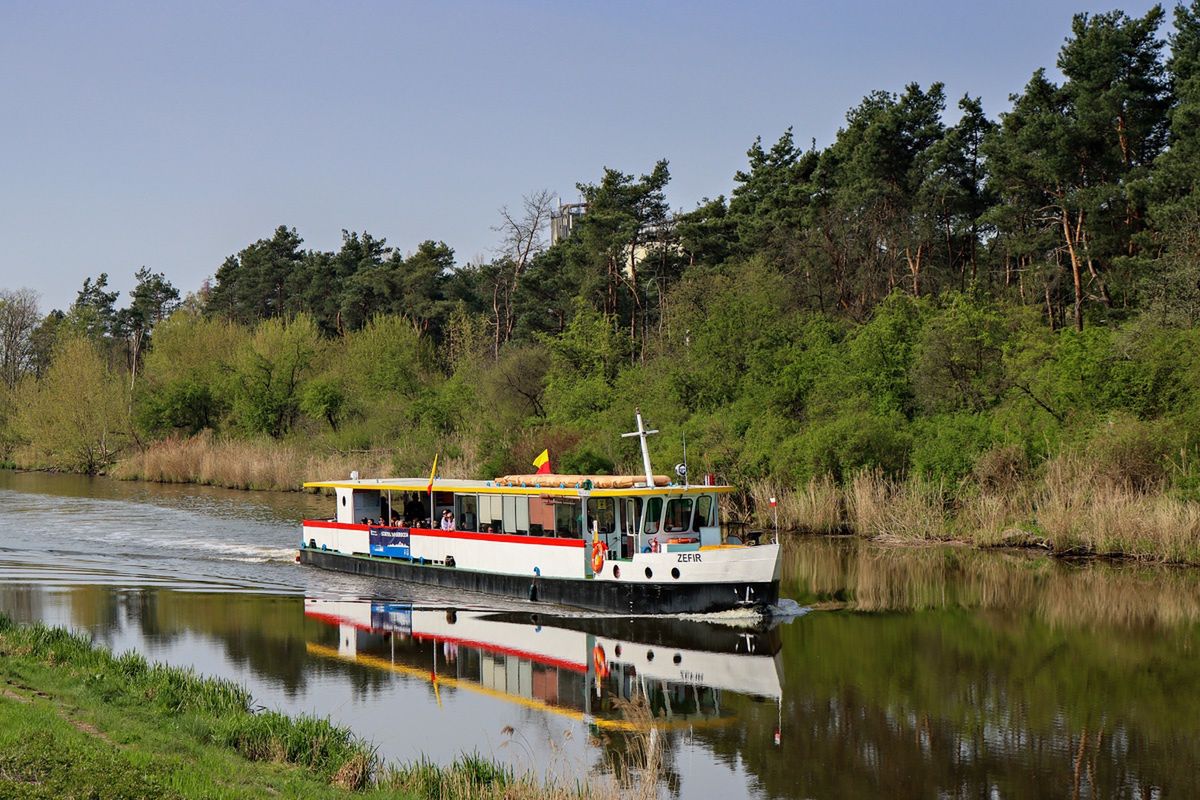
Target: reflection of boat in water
563, 665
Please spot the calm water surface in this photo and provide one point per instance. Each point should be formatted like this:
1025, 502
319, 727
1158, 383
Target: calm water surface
917, 672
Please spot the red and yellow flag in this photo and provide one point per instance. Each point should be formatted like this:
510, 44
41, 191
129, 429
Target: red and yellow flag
432, 473
542, 462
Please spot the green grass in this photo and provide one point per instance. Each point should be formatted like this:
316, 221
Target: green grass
77, 721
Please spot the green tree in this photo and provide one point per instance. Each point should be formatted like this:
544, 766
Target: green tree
1076, 158
624, 220
76, 416
263, 281
958, 362
94, 312
188, 380
271, 367
150, 302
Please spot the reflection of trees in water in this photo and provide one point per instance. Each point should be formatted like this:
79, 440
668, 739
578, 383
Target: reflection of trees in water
875, 577
948, 703
21, 603
267, 634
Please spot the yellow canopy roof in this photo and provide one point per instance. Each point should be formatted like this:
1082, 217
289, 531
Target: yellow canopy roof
554, 485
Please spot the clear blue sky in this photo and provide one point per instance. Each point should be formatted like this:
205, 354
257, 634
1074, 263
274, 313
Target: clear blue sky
172, 135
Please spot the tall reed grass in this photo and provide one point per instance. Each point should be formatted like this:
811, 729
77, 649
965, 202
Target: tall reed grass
1075, 505
1082, 509
280, 466
815, 507
913, 509
243, 464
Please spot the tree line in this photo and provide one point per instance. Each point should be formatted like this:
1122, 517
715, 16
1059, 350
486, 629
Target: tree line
931, 292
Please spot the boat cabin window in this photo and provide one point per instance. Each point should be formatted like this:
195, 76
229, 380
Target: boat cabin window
654, 507
515, 513
466, 511
631, 516
566, 518
366, 505
679, 515
490, 511
706, 511
603, 510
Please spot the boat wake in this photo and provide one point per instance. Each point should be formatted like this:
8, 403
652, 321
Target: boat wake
787, 609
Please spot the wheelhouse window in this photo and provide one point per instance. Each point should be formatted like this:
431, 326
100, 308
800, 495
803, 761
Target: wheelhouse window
679, 515
566, 518
654, 507
706, 511
631, 515
602, 510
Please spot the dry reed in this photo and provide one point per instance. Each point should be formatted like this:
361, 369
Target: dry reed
914, 509
242, 464
1082, 510
815, 507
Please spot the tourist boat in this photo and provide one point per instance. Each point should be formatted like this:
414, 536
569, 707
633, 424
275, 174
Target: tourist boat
623, 544
577, 667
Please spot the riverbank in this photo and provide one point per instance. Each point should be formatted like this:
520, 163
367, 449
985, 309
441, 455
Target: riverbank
1071, 509
1075, 504
78, 721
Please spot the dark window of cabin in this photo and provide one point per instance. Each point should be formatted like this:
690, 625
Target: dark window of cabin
603, 510
653, 514
566, 518
679, 515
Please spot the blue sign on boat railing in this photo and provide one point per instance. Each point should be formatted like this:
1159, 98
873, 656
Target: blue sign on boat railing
392, 542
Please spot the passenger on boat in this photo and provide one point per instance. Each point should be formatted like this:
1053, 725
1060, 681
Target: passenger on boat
488, 529
447, 520
413, 509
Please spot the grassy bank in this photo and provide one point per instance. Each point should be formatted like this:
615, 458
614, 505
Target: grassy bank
78, 721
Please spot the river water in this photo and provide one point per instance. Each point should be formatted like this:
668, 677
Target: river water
915, 672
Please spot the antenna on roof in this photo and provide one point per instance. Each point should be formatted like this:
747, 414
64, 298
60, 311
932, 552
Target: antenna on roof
642, 433
682, 469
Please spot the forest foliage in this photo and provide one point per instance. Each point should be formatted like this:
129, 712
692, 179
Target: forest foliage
937, 293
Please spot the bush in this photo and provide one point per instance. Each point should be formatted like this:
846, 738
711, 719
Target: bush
1131, 453
1001, 467
945, 447
585, 461
852, 443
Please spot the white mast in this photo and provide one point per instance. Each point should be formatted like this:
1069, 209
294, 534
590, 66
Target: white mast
642, 433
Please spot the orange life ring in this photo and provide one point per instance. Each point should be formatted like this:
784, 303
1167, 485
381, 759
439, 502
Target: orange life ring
600, 661
597, 557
